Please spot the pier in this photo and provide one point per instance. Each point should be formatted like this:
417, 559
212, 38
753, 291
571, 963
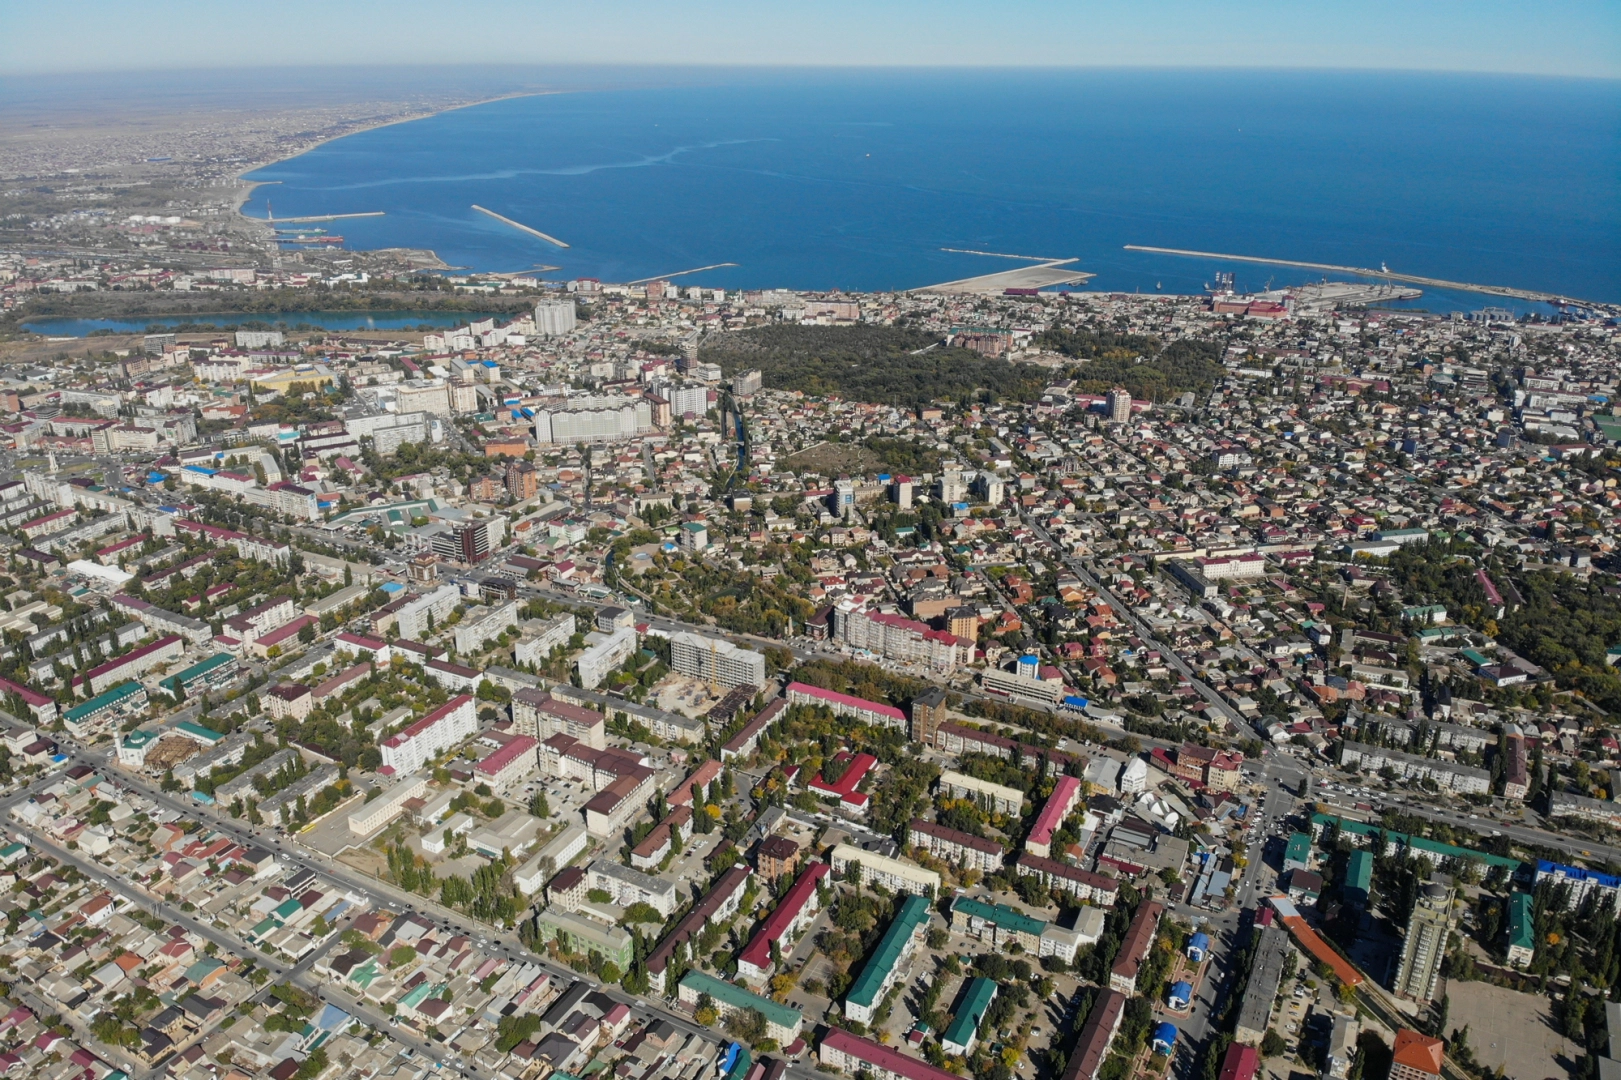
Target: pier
679, 273
520, 226
1363, 271
1040, 276
319, 217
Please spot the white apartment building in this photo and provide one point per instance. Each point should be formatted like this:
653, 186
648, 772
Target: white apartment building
380, 811
540, 638
412, 619
593, 418
716, 660
632, 886
605, 653
473, 636
410, 749
893, 874
555, 317
994, 797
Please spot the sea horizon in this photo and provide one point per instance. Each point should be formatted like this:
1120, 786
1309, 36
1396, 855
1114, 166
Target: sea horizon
858, 178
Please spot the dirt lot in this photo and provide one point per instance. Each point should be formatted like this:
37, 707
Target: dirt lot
832, 459
1510, 1031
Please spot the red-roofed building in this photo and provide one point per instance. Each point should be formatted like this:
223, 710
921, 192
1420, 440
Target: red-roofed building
702, 777
365, 648
281, 638
1415, 1056
868, 712
510, 764
856, 768
1239, 1063
853, 1054
1059, 805
798, 907
40, 707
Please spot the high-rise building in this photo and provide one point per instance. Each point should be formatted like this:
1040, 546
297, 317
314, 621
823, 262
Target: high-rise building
1118, 403
901, 492
928, 713
716, 660
746, 384
592, 418
554, 317
468, 543
521, 480
413, 619
1425, 945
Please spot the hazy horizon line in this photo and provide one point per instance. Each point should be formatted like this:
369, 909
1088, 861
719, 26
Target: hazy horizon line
689, 66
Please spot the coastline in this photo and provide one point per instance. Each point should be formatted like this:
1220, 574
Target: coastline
247, 187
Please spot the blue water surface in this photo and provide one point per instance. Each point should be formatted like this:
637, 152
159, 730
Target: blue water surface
856, 180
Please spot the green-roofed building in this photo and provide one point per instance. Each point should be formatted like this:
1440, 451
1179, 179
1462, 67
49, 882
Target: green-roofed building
782, 1023
201, 975
1297, 855
287, 909
366, 974
997, 923
132, 747
418, 994
883, 967
124, 698
1522, 930
12, 852
217, 670
740, 1068
1358, 878
963, 1033
1398, 841
206, 736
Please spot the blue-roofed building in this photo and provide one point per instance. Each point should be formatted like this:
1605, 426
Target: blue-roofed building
1180, 996
1199, 947
1164, 1040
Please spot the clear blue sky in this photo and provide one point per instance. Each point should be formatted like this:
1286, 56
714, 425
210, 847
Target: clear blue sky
1544, 37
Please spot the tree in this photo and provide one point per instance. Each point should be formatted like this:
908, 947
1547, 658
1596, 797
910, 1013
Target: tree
1272, 1044
306, 633
704, 1012
538, 805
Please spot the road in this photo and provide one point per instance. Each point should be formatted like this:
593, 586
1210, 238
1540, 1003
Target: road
1235, 722
381, 894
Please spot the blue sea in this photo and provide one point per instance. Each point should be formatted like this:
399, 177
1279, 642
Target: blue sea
858, 180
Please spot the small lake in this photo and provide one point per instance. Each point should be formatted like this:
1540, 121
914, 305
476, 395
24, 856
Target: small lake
291, 320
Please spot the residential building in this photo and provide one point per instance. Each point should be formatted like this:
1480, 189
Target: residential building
1134, 948
604, 654
781, 1022
893, 874
438, 731
996, 798
1425, 943
884, 965
964, 849
792, 914
715, 660
1054, 812
427, 612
